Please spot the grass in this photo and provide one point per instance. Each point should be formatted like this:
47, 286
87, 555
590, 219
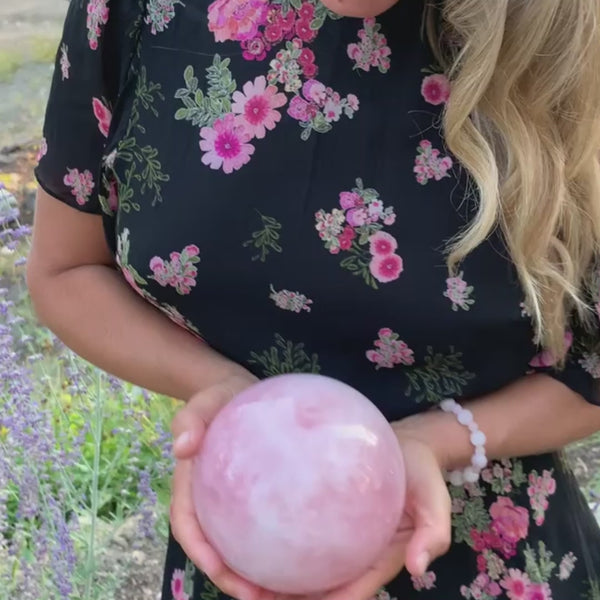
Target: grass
36, 49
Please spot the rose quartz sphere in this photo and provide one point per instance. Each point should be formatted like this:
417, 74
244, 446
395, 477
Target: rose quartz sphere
299, 484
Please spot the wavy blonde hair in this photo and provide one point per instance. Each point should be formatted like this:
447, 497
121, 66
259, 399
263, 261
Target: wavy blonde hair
524, 121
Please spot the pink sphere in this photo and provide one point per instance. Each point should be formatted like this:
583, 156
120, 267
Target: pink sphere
300, 484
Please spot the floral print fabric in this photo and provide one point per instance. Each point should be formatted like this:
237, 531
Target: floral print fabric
274, 179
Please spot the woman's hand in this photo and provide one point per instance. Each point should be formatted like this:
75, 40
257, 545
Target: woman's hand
189, 427
424, 533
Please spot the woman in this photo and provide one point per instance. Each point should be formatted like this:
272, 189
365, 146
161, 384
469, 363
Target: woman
404, 196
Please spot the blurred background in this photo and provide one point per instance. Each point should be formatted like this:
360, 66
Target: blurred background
84, 458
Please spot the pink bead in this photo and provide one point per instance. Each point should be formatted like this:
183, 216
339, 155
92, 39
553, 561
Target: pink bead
300, 484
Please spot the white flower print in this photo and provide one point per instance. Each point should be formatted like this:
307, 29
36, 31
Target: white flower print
292, 301
567, 566
65, 65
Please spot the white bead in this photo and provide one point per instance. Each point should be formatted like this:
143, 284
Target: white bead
478, 438
479, 461
480, 450
448, 405
473, 427
470, 475
456, 478
465, 417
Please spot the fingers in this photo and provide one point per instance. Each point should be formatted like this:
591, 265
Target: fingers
187, 531
190, 423
430, 505
377, 576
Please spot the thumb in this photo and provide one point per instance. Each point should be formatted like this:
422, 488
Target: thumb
431, 507
190, 423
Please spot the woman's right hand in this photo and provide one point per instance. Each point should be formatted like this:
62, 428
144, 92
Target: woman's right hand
189, 426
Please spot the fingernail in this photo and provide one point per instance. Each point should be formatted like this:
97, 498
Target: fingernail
181, 442
423, 562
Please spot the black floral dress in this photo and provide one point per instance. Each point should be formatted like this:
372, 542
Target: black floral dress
274, 179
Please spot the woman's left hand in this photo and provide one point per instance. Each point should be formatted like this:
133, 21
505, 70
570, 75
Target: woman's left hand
424, 533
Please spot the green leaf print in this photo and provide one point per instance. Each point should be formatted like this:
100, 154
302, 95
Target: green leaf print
474, 516
518, 476
209, 590
265, 240
442, 375
358, 263
285, 357
188, 581
539, 566
144, 165
204, 109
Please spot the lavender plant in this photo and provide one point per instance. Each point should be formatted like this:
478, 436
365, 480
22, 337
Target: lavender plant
79, 450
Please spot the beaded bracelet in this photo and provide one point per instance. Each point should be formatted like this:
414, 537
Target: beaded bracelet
479, 459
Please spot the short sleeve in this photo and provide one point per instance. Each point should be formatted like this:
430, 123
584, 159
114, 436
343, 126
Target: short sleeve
92, 65
581, 372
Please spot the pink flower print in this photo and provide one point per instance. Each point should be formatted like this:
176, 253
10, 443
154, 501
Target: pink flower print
332, 110
225, 144
319, 106
386, 268
103, 115
357, 217
346, 238
255, 49
350, 200
510, 522
64, 62
493, 589
292, 301
538, 591
429, 164
458, 506
159, 13
372, 49
567, 566
389, 350
300, 109
352, 102
424, 582
306, 11
179, 272
236, 19
177, 585
436, 89
545, 358
382, 244
43, 150
307, 61
304, 31
97, 17
82, 184
540, 487
315, 91
459, 293
258, 106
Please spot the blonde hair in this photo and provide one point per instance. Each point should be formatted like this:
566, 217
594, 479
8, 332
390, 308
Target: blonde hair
524, 121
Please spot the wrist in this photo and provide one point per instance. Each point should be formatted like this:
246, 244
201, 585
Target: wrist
442, 433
